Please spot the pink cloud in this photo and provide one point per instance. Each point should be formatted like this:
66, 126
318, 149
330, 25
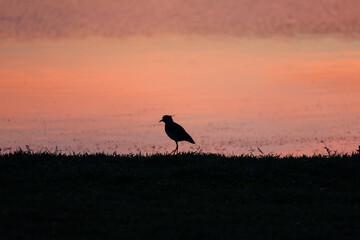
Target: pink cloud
31, 19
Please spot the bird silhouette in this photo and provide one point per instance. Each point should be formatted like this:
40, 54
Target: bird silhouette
175, 132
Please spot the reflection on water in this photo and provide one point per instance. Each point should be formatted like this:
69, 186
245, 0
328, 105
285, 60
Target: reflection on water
132, 134
230, 95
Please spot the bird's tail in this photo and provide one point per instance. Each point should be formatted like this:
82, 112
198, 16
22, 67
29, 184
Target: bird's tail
191, 140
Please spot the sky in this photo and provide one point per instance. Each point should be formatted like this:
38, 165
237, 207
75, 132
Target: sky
36, 19
94, 75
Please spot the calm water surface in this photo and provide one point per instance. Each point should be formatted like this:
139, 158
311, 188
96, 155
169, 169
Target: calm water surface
231, 95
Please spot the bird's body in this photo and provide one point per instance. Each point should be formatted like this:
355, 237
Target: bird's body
175, 131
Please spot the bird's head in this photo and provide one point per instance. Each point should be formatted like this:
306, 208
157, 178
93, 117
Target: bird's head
166, 119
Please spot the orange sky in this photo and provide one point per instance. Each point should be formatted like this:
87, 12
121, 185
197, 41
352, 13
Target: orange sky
101, 74
201, 59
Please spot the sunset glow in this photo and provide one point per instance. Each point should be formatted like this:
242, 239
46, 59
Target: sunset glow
91, 77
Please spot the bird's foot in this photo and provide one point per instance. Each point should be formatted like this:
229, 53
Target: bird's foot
175, 152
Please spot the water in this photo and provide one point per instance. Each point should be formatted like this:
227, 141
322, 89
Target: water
231, 95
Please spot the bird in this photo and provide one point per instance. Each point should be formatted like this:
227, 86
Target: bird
175, 132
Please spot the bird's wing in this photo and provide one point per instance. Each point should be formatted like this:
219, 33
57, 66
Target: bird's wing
182, 134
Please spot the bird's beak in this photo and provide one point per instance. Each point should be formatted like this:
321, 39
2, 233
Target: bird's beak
161, 120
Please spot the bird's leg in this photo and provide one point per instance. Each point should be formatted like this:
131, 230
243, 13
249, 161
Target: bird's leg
177, 146
176, 149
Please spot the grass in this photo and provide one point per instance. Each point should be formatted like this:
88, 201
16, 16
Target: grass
185, 196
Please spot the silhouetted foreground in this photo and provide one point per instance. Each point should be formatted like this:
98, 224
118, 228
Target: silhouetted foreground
196, 196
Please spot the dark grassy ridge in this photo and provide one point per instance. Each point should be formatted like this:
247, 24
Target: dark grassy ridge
197, 196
